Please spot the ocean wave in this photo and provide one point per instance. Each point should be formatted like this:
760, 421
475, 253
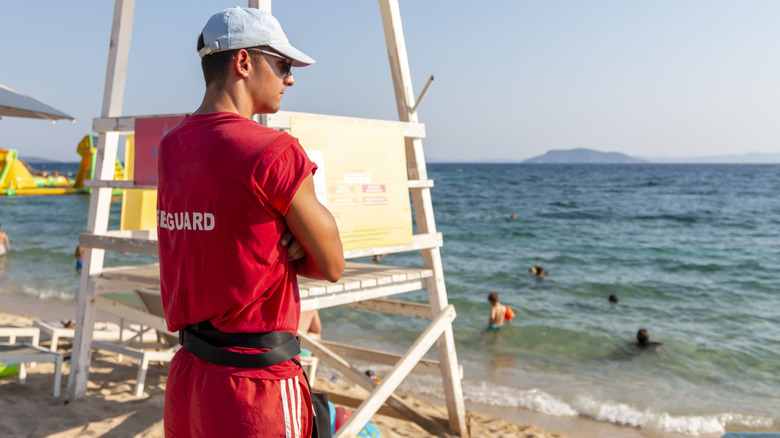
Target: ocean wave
681, 218
490, 394
693, 425
46, 294
532, 399
604, 411
574, 215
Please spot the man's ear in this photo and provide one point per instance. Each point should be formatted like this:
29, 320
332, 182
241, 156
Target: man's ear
242, 63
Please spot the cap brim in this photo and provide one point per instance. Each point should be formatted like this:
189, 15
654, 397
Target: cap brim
299, 58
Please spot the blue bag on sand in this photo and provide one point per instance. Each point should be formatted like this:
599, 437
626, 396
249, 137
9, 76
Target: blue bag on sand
332, 418
369, 431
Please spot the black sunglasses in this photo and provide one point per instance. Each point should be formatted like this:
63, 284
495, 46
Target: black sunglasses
285, 65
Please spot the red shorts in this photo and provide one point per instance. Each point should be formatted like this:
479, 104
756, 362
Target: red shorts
203, 402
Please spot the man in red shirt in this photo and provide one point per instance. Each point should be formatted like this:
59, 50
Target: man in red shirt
238, 219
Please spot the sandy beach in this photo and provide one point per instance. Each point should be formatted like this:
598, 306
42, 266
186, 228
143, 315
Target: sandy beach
110, 409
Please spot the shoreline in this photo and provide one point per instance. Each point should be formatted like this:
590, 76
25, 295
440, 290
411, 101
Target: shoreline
29, 307
109, 406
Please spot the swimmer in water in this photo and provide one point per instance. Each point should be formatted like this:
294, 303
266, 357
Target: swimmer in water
498, 313
643, 341
79, 254
538, 271
642, 344
5, 246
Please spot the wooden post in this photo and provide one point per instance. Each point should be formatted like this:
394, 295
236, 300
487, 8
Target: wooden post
260, 4
382, 392
357, 376
100, 199
423, 209
264, 5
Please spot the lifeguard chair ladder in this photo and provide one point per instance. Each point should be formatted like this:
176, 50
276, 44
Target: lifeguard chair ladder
362, 286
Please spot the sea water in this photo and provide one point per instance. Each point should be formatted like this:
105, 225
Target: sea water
691, 251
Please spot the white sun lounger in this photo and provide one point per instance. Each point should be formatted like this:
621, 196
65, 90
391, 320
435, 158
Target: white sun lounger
24, 353
56, 331
153, 317
14, 331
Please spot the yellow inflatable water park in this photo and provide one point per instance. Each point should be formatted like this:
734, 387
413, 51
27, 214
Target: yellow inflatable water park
17, 178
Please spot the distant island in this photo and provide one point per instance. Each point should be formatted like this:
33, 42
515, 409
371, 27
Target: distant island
590, 156
582, 155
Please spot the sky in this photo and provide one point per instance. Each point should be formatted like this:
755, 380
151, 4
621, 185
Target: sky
513, 79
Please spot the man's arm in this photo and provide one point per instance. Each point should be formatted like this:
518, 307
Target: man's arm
316, 324
316, 231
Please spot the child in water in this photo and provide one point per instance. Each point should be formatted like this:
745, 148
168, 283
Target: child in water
498, 313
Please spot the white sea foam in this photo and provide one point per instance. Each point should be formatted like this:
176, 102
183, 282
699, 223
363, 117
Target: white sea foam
495, 395
743, 421
693, 425
599, 410
533, 399
617, 413
45, 294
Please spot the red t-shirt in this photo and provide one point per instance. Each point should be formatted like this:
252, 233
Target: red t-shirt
224, 185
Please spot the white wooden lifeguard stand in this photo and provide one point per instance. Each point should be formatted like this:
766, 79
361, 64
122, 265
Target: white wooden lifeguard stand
362, 286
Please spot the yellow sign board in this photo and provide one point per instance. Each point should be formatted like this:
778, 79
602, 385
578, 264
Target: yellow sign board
138, 206
361, 178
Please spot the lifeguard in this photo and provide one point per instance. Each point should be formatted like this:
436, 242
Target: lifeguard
238, 220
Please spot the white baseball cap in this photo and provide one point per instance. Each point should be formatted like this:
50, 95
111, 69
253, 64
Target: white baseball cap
242, 28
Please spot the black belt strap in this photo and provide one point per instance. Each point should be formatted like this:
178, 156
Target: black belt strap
206, 343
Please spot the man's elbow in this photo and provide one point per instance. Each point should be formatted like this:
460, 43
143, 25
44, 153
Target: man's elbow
334, 271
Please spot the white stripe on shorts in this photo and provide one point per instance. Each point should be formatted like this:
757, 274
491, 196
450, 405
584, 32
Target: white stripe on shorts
293, 408
299, 402
286, 408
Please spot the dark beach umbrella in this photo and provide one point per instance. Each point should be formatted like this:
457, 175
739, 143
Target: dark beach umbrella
16, 104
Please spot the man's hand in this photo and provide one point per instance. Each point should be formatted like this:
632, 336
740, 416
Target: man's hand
294, 249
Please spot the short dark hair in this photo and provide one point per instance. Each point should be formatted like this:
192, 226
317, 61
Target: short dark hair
643, 337
493, 297
215, 65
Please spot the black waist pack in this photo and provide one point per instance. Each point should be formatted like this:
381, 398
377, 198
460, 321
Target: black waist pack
207, 342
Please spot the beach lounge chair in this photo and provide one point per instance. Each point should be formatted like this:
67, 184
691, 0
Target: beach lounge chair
15, 331
151, 315
23, 353
56, 331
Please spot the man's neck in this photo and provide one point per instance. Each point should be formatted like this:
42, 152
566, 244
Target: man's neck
227, 99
